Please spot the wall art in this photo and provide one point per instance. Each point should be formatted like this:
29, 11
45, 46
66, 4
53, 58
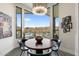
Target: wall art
66, 24
5, 25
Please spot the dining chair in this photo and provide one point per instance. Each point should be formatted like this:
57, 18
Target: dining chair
56, 45
23, 46
40, 54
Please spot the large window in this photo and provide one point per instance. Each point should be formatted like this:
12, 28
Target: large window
18, 22
25, 21
57, 24
29, 25
36, 25
55, 15
56, 20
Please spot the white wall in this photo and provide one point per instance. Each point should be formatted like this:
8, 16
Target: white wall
7, 44
68, 39
78, 28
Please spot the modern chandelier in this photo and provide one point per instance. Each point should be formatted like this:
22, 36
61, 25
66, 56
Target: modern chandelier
39, 10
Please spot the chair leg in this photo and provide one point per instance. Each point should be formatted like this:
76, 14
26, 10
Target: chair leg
27, 53
21, 53
57, 53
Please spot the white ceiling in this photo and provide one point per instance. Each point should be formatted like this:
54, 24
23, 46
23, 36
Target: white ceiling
30, 5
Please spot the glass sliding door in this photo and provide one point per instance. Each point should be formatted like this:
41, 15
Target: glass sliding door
18, 22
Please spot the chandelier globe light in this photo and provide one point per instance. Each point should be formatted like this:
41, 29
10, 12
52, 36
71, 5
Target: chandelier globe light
39, 10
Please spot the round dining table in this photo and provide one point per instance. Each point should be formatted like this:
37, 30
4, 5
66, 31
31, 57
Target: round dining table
32, 44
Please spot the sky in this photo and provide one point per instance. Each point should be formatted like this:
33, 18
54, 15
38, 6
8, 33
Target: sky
57, 21
31, 20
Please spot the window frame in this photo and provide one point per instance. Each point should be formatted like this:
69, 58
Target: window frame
21, 22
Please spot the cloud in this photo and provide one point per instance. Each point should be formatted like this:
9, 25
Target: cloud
27, 19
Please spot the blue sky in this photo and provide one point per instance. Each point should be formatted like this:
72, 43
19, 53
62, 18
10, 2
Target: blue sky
31, 20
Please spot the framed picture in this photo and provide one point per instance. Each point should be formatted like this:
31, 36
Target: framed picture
5, 25
66, 24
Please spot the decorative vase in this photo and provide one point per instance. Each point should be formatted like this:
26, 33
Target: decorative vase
38, 39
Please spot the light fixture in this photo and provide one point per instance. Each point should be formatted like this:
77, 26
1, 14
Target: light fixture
39, 10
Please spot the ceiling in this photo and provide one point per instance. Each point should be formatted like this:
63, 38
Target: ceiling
31, 5
46, 5
40, 4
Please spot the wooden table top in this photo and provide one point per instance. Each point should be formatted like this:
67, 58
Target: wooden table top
31, 44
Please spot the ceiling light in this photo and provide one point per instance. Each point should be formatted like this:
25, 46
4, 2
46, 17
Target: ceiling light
39, 10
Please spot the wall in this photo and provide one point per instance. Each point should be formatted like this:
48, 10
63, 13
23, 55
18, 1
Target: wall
7, 44
78, 29
68, 39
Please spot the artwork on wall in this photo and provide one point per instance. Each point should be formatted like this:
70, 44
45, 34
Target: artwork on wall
66, 24
5, 25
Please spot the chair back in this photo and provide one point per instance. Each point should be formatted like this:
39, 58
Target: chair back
57, 43
22, 44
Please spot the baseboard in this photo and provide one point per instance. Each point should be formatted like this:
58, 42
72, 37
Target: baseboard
67, 50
